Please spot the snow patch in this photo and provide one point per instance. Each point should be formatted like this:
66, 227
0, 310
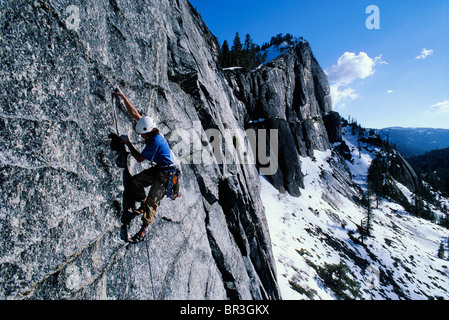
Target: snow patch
398, 262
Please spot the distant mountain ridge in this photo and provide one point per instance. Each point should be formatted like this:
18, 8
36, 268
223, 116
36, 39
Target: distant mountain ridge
416, 141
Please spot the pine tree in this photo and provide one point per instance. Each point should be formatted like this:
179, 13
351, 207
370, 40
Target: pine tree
418, 205
289, 38
369, 216
441, 251
366, 225
249, 44
377, 178
236, 51
225, 55
277, 40
237, 44
444, 222
248, 55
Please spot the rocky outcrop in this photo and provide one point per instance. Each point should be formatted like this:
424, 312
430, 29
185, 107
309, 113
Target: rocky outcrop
405, 174
61, 189
292, 94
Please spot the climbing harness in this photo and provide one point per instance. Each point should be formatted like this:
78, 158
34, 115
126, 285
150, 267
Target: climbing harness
172, 190
173, 184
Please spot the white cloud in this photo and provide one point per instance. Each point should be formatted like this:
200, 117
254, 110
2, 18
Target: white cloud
424, 54
441, 107
350, 67
340, 97
390, 91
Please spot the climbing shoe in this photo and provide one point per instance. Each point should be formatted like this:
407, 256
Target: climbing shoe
124, 233
136, 239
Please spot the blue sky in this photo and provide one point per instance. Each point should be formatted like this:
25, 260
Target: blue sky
397, 75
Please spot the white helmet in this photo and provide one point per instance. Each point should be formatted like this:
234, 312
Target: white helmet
145, 125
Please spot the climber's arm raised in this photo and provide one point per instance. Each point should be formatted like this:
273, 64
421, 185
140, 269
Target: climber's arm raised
131, 109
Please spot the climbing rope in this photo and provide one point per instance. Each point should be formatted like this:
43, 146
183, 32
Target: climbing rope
156, 87
114, 114
149, 266
157, 67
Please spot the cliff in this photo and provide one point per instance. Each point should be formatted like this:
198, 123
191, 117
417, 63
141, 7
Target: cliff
291, 93
60, 186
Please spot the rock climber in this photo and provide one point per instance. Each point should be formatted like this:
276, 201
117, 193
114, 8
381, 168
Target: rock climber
156, 150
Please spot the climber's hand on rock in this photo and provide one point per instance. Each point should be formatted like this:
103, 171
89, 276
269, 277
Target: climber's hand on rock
125, 139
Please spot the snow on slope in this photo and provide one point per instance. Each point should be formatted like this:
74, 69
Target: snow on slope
399, 262
274, 51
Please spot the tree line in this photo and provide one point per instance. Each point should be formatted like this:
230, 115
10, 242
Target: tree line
247, 54
240, 54
434, 167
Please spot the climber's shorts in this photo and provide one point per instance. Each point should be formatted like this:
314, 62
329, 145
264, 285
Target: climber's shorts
155, 177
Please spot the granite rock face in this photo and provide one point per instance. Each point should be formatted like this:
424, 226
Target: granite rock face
292, 94
61, 188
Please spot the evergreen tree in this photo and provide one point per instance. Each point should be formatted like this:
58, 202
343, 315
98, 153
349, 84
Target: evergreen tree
236, 52
369, 216
249, 44
422, 194
248, 55
418, 205
237, 44
444, 222
225, 55
377, 178
262, 58
366, 225
441, 251
277, 40
289, 38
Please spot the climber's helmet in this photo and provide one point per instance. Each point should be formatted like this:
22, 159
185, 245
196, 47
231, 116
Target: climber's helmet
145, 125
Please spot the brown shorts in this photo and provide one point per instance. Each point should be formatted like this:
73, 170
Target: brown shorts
135, 190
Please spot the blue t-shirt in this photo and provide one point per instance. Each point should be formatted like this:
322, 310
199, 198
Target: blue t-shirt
158, 150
